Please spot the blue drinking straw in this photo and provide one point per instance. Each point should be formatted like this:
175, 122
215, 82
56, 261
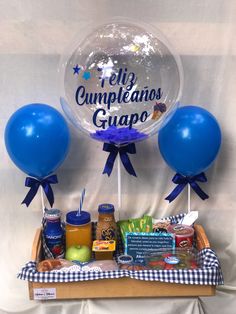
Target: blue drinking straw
81, 203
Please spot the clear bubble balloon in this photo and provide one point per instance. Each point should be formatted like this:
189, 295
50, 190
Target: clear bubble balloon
121, 82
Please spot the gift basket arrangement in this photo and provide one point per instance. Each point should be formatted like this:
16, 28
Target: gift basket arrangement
193, 264
190, 269
121, 84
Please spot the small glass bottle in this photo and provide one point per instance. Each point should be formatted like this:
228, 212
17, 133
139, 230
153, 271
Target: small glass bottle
53, 233
78, 229
106, 226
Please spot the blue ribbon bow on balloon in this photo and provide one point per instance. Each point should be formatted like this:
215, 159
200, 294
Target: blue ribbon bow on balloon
182, 181
34, 185
123, 151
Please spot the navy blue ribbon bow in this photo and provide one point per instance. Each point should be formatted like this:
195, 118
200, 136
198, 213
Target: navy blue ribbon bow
183, 181
34, 185
123, 151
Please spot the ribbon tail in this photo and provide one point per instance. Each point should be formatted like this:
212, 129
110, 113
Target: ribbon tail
199, 191
30, 195
49, 193
127, 163
177, 190
109, 163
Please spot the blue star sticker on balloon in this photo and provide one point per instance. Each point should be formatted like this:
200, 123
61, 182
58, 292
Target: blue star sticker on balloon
76, 69
87, 75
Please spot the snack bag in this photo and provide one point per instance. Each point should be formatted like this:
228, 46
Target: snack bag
147, 224
143, 224
124, 227
135, 224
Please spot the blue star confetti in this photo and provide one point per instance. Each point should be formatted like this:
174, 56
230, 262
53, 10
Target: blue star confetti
87, 75
76, 69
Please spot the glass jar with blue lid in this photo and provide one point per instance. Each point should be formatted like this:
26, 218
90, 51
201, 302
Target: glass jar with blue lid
78, 229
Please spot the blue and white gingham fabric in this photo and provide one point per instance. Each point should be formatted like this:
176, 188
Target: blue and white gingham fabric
209, 274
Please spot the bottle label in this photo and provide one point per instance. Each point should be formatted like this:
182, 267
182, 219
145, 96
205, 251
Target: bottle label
54, 237
55, 245
106, 227
108, 234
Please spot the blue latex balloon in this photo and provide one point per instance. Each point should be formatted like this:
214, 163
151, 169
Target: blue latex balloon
191, 140
37, 139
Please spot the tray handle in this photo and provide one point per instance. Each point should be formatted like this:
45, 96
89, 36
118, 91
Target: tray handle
201, 238
37, 246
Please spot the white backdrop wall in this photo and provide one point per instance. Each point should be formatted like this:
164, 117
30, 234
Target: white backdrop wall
33, 34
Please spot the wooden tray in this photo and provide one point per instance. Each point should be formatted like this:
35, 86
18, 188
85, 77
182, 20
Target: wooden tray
116, 288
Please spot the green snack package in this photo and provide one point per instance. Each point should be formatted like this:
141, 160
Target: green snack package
147, 226
124, 227
135, 225
143, 224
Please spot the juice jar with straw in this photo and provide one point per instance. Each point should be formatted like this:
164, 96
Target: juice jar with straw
78, 229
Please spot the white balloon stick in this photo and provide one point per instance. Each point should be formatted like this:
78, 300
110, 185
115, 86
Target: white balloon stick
119, 185
42, 199
189, 198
